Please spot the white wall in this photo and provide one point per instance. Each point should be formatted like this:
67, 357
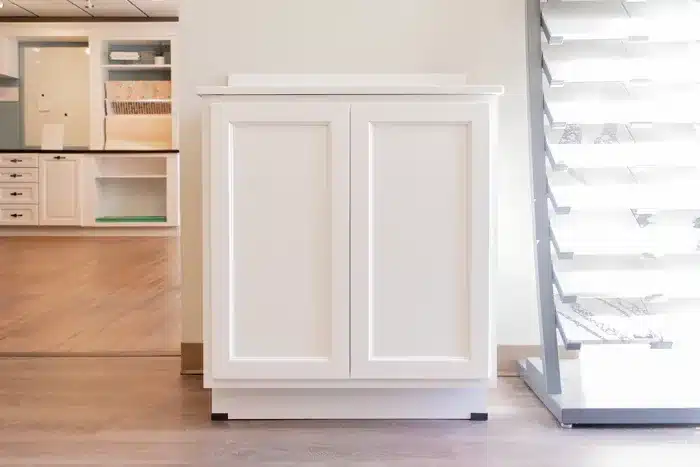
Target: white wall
485, 40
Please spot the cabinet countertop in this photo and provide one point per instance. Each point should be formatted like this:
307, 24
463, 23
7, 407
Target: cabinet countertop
89, 151
349, 84
293, 89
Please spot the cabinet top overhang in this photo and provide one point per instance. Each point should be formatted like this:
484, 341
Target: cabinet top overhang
352, 84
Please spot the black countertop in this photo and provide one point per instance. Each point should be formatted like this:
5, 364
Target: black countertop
89, 151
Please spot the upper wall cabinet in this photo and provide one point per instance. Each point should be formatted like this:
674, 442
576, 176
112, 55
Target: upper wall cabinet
9, 58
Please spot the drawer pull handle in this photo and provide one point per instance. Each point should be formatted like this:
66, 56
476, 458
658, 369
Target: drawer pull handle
58, 158
16, 193
16, 215
15, 175
14, 161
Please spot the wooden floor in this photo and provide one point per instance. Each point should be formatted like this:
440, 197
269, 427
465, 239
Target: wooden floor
89, 294
139, 411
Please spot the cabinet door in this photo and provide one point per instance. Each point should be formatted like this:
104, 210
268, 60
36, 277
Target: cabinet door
420, 241
59, 190
279, 238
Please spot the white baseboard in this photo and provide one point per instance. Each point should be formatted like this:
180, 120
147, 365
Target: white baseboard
509, 355
89, 231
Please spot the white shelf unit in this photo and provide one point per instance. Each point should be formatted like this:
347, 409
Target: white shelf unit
615, 112
134, 190
138, 110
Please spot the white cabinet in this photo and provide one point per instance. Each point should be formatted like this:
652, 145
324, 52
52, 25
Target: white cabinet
19, 214
90, 189
9, 58
282, 184
60, 189
420, 259
19, 191
348, 250
131, 189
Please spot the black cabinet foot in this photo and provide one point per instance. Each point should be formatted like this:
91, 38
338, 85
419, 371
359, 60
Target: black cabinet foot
479, 417
219, 417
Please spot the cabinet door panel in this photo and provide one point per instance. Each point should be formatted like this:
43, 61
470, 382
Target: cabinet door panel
420, 240
280, 246
60, 190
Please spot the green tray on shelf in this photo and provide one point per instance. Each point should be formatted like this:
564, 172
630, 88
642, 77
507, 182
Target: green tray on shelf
128, 219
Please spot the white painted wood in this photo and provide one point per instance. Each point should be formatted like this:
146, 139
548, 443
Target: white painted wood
19, 193
355, 79
172, 189
143, 184
19, 214
123, 197
9, 58
279, 208
19, 174
348, 89
420, 240
362, 404
60, 189
19, 160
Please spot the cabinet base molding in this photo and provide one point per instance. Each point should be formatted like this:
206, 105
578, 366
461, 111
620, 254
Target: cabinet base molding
89, 232
350, 404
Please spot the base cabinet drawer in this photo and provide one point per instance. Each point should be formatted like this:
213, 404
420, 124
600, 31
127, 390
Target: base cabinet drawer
19, 160
19, 193
19, 174
19, 214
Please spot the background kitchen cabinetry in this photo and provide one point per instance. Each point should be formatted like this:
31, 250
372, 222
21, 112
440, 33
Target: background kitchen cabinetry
9, 58
98, 189
60, 187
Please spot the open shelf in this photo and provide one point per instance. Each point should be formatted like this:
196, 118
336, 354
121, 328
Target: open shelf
610, 321
138, 94
653, 20
611, 146
135, 189
132, 219
131, 200
128, 176
136, 67
131, 167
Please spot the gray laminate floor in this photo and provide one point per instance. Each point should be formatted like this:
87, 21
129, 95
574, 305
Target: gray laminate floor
139, 411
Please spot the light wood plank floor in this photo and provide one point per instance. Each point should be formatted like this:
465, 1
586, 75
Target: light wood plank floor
89, 294
139, 411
